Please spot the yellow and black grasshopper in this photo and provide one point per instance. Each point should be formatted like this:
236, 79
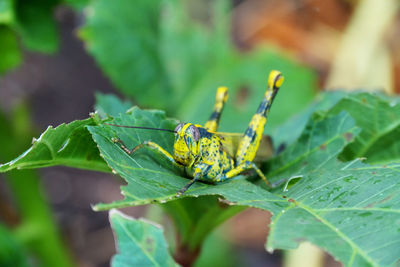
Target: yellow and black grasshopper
210, 156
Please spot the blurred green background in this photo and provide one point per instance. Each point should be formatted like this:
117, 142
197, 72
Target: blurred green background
170, 55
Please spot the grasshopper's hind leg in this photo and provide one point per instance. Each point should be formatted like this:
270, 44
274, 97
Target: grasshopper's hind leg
248, 146
245, 166
221, 97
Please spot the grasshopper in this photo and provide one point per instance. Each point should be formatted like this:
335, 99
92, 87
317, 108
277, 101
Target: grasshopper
210, 156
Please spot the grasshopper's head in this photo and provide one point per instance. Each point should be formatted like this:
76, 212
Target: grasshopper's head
186, 145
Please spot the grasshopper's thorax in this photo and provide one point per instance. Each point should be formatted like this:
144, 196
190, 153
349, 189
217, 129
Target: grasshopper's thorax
186, 145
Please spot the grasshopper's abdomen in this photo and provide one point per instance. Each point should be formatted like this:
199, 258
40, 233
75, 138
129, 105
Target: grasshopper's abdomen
213, 161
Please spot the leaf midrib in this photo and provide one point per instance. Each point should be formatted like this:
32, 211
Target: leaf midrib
128, 233
76, 163
355, 247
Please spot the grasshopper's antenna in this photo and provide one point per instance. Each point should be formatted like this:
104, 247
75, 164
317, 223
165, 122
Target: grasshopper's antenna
139, 127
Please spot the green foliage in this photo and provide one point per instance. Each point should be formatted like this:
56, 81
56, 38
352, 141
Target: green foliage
195, 218
110, 105
11, 251
36, 232
9, 51
36, 26
289, 131
6, 11
139, 242
379, 118
154, 52
328, 205
218, 251
123, 38
68, 144
333, 204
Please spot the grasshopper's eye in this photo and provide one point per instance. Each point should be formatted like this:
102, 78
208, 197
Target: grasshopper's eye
178, 128
195, 132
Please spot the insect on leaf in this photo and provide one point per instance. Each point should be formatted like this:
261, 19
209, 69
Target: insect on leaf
230, 143
350, 209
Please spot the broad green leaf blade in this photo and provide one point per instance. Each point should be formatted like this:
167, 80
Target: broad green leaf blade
321, 140
123, 37
338, 206
346, 208
139, 242
68, 144
379, 120
289, 131
351, 210
110, 105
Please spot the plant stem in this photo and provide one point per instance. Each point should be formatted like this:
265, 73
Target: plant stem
37, 229
185, 256
194, 220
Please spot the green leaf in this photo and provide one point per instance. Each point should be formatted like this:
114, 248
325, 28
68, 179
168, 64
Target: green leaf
68, 144
155, 52
151, 178
140, 242
6, 11
379, 119
37, 230
36, 25
123, 37
195, 218
9, 50
110, 105
289, 131
349, 209
322, 139
190, 51
77, 4
11, 251
218, 251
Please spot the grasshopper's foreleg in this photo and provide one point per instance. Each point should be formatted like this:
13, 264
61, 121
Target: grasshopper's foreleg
213, 121
153, 146
199, 171
247, 165
186, 187
248, 146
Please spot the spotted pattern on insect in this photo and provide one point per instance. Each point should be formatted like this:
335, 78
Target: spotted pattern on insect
199, 151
